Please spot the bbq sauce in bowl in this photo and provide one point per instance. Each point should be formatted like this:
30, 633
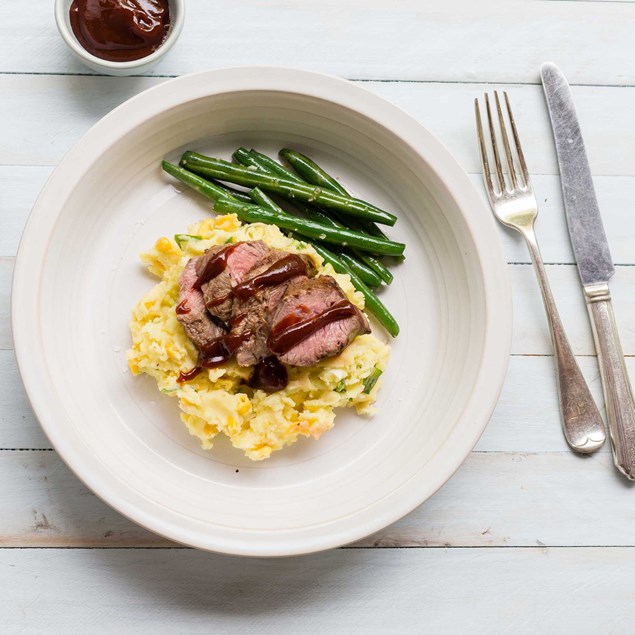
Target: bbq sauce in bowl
120, 30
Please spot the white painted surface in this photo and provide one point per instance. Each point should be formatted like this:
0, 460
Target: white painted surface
352, 591
521, 488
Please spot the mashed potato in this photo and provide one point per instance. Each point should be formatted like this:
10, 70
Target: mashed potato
219, 400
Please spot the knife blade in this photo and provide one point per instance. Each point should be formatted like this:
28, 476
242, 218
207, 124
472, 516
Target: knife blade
595, 264
588, 239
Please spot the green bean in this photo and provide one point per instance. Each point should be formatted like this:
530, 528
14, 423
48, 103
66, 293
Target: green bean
234, 193
311, 229
225, 171
367, 265
260, 198
255, 160
380, 269
312, 173
271, 166
373, 304
369, 276
268, 164
201, 185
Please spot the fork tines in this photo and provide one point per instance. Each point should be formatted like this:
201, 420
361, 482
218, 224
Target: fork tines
516, 170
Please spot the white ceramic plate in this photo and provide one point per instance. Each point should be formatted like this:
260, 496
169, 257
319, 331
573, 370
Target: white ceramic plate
78, 275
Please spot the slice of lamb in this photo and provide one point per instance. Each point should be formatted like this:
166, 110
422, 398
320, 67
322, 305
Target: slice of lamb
305, 299
191, 311
251, 318
217, 292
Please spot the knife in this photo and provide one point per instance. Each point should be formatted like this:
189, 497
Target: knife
595, 264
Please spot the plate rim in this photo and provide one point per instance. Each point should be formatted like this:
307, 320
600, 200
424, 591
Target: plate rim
483, 231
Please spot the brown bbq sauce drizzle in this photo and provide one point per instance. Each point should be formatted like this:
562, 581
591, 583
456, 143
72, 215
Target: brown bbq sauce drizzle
218, 352
190, 374
215, 265
182, 308
280, 271
295, 328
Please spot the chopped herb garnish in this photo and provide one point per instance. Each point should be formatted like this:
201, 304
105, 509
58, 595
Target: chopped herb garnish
183, 238
341, 387
371, 380
229, 240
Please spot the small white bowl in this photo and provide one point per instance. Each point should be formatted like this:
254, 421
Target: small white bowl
134, 67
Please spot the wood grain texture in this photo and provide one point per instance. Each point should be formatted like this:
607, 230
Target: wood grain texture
6, 273
495, 499
19, 186
490, 41
346, 591
55, 111
531, 334
527, 418
615, 197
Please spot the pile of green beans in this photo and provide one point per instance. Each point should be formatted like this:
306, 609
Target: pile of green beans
362, 262
324, 213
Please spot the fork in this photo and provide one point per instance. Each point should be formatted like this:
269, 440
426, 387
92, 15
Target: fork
514, 204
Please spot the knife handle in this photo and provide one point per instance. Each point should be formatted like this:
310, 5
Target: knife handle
581, 420
618, 395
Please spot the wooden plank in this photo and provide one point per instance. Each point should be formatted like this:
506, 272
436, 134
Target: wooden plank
615, 196
55, 111
447, 111
531, 334
47, 115
495, 499
6, 273
18, 426
19, 186
521, 499
526, 418
493, 42
345, 591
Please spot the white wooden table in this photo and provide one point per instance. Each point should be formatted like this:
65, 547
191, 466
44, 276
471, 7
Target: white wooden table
526, 537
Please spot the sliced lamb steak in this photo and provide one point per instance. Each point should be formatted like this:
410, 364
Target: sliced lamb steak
250, 300
252, 312
191, 311
305, 303
218, 291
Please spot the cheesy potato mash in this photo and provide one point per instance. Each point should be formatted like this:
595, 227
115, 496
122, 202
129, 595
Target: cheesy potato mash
219, 400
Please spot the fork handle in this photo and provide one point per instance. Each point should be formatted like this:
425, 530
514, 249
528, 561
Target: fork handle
618, 395
581, 420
